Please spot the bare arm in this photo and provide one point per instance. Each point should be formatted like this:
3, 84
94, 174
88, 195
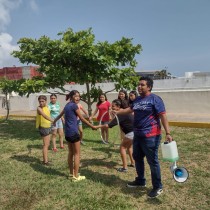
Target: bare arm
84, 120
101, 126
58, 117
40, 111
165, 124
94, 113
84, 111
123, 111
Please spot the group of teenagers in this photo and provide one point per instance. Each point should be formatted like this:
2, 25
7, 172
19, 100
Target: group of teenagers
140, 116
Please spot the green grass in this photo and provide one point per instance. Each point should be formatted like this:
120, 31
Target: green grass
26, 184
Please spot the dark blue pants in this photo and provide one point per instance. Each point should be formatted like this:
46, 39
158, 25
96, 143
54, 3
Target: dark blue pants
148, 147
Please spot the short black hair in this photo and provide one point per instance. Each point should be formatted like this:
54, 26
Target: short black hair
149, 81
117, 102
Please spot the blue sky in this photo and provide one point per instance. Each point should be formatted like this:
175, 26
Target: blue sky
173, 33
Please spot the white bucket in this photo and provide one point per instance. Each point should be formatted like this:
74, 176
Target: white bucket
169, 151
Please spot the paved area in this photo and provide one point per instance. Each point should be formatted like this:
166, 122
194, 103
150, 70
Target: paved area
181, 117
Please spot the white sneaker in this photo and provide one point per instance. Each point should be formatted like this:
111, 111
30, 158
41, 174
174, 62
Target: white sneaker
77, 179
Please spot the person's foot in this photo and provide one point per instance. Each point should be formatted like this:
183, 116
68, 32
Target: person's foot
77, 179
54, 149
82, 142
135, 184
47, 163
122, 169
62, 147
131, 165
155, 193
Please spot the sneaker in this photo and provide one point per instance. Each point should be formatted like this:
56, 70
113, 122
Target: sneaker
122, 169
54, 149
77, 179
155, 192
70, 176
135, 184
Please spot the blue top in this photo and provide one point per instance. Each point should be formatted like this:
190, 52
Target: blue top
146, 115
71, 127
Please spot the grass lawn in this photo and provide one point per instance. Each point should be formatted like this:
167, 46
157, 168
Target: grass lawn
27, 184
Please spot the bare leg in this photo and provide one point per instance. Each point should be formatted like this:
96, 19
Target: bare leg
103, 134
46, 144
126, 144
76, 154
80, 132
130, 154
70, 158
107, 134
54, 135
60, 133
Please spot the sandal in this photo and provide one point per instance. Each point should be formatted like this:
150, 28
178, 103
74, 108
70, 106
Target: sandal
122, 169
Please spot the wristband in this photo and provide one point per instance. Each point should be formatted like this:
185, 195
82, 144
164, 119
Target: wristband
168, 134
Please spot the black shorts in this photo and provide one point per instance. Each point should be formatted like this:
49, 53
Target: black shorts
44, 131
73, 139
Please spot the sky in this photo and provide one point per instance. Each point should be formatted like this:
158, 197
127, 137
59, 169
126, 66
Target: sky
174, 34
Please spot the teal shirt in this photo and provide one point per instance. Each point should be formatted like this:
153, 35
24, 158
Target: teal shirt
54, 109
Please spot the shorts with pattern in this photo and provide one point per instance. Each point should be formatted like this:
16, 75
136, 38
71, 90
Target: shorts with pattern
44, 131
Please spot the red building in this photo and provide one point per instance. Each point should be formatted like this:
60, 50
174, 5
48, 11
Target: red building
16, 73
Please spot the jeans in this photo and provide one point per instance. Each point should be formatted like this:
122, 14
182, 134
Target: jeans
143, 146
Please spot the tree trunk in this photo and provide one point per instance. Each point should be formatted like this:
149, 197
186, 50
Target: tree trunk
88, 99
7, 105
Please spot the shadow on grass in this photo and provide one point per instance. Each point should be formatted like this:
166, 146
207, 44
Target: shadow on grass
37, 165
19, 130
107, 149
98, 162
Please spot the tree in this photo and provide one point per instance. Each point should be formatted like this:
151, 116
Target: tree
7, 87
163, 74
76, 57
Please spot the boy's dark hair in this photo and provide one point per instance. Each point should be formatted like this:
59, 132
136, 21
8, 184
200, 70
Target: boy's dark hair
149, 81
117, 102
42, 97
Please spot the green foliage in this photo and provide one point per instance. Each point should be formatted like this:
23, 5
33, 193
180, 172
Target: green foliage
77, 57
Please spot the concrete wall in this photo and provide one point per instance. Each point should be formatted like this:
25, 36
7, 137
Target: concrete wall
183, 95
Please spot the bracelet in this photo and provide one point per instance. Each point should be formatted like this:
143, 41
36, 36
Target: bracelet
168, 134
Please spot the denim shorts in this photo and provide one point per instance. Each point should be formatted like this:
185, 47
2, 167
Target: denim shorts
79, 122
59, 124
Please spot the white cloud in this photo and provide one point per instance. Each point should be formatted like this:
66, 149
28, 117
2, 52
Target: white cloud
6, 48
5, 8
34, 5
